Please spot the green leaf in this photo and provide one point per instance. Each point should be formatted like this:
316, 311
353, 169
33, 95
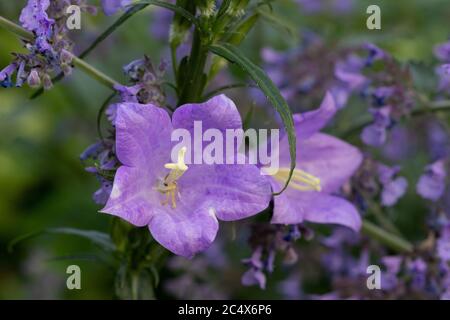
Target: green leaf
101, 239
279, 22
234, 55
177, 9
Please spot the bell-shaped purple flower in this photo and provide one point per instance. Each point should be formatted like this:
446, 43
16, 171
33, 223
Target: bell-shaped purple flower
180, 204
324, 164
6, 75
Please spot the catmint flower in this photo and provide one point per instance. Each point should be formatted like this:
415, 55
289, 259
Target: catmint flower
267, 240
390, 277
393, 187
443, 244
348, 71
443, 73
442, 52
111, 7
146, 82
325, 164
47, 82
180, 204
255, 274
431, 184
417, 269
374, 54
6, 75
105, 163
381, 94
33, 80
34, 17
50, 49
375, 134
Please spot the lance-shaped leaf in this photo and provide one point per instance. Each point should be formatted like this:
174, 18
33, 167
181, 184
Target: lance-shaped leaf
101, 239
234, 55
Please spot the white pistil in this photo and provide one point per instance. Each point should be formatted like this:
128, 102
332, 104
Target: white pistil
169, 185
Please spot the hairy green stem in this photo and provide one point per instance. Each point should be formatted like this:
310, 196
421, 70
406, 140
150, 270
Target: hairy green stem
193, 86
77, 62
390, 240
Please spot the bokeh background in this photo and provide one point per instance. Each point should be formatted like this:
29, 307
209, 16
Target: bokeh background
44, 185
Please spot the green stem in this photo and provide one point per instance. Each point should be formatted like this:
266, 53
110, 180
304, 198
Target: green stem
379, 215
192, 88
94, 73
433, 107
14, 28
134, 286
77, 62
390, 240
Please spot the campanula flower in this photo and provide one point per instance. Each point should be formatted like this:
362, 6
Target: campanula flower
180, 203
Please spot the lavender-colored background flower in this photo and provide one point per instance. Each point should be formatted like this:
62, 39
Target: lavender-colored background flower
182, 212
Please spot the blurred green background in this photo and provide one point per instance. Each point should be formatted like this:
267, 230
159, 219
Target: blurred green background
43, 184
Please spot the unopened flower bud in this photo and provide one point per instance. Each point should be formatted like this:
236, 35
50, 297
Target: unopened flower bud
33, 80
47, 82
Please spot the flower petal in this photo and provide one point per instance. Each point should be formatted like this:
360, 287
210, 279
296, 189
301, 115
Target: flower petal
306, 124
142, 135
285, 206
185, 234
330, 159
325, 208
131, 197
317, 207
219, 112
234, 191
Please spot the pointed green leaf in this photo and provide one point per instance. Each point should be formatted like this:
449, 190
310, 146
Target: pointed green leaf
234, 55
99, 238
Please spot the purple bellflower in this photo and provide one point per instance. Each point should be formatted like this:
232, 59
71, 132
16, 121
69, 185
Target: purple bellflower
324, 164
180, 204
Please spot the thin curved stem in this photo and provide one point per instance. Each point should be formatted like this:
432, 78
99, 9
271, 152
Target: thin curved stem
77, 62
433, 107
390, 240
